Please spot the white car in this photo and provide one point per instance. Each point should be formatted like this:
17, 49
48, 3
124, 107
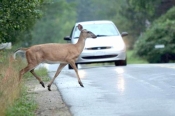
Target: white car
107, 47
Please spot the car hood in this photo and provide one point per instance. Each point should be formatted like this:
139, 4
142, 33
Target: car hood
107, 41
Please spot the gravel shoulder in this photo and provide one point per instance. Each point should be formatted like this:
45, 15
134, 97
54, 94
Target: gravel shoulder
49, 103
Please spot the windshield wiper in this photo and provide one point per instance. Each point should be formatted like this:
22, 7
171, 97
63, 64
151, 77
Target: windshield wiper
76, 37
102, 35
96, 35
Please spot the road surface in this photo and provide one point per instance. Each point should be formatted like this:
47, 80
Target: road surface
133, 90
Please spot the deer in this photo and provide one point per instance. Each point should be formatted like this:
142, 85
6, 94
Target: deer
54, 53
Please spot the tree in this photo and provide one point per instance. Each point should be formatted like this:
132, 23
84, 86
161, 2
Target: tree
161, 32
153, 8
97, 10
138, 15
17, 17
132, 21
145, 5
57, 22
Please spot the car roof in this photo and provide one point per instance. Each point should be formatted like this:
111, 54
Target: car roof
94, 22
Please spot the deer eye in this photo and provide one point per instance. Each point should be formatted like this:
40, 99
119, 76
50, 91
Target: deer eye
88, 32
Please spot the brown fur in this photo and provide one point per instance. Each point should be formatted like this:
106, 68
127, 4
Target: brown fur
55, 53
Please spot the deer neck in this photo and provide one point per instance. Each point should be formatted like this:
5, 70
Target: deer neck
81, 43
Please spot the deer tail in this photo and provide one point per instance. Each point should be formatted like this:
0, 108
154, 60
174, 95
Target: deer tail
19, 50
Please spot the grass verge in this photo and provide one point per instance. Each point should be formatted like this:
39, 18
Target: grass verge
9, 83
23, 106
14, 99
133, 59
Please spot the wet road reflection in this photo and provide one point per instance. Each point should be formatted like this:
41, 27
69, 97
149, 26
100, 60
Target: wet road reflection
82, 73
134, 90
121, 84
120, 80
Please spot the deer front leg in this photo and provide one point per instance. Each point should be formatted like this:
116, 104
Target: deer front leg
72, 63
38, 78
61, 66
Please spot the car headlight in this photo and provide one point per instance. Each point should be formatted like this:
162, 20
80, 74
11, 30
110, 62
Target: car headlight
119, 46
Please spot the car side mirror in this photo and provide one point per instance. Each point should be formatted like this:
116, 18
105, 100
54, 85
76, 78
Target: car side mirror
67, 38
124, 34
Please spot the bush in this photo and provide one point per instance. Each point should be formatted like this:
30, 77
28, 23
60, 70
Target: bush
161, 32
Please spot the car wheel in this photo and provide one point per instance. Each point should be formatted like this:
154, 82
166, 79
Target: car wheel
70, 67
121, 63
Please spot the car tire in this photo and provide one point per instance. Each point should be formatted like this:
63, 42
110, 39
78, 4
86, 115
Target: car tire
121, 63
70, 67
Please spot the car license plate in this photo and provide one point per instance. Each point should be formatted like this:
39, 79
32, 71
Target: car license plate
99, 53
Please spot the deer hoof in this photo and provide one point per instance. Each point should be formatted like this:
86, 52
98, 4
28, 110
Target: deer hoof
42, 84
49, 87
81, 84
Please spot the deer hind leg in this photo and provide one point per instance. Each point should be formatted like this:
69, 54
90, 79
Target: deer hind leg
76, 71
24, 70
61, 66
38, 78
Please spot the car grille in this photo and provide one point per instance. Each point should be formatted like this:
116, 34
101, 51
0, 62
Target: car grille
97, 48
99, 57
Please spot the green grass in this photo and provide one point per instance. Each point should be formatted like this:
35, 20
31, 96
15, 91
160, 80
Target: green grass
133, 59
42, 72
14, 99
23, 106
9, 81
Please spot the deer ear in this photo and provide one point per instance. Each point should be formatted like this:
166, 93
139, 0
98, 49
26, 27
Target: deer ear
80, 27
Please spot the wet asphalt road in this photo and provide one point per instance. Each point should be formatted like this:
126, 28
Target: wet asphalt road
134, 90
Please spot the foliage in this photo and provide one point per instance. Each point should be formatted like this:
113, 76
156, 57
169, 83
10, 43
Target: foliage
170, 15
59, 16
138, 15
147, 6
131, 21
161, 32
16, 18
120, 12
152, 8
95, 10
57, 22
132, 16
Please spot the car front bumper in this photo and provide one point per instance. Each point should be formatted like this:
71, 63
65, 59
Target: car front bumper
93, 56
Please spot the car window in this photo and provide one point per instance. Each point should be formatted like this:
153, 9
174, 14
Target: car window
106, 29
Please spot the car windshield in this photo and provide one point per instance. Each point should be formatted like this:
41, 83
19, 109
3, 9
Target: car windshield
106, 29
